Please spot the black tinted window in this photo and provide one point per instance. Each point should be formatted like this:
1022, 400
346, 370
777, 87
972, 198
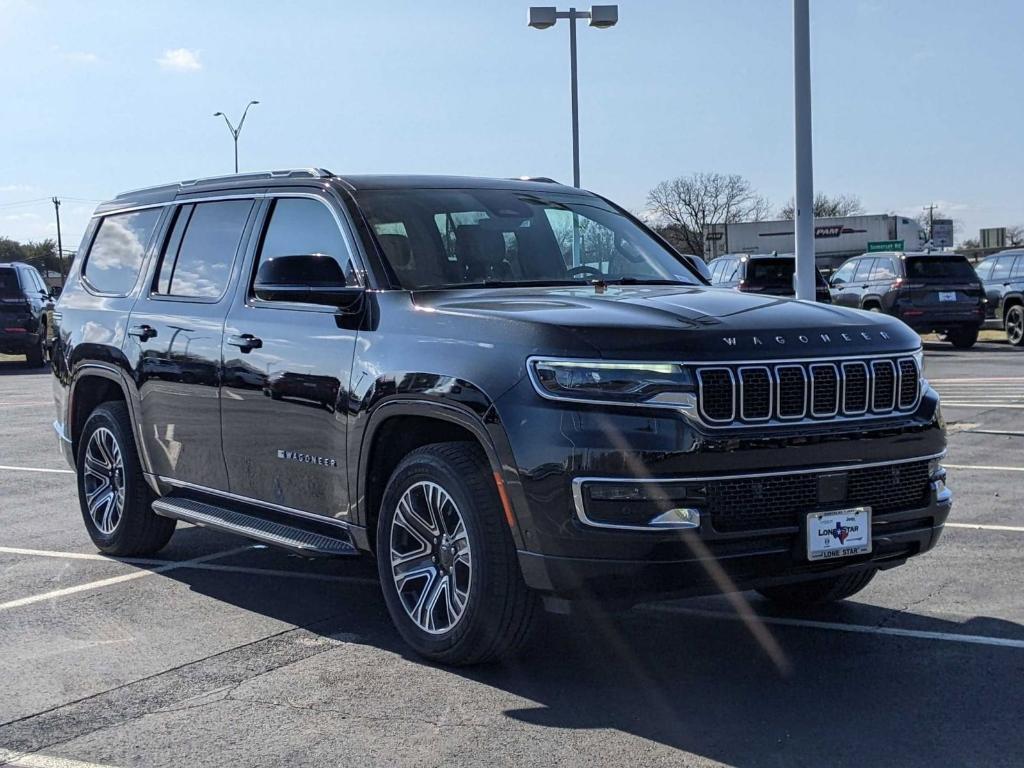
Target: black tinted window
300, 226
774, 272
9, 280
115, 258
197, 260
945, 267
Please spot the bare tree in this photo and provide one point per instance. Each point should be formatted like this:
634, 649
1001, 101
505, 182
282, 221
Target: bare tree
1015, 235
683, 208
827, 205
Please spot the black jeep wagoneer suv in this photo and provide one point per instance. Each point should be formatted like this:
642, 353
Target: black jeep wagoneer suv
511, 392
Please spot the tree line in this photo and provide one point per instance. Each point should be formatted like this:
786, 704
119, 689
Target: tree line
682, 209
41, 254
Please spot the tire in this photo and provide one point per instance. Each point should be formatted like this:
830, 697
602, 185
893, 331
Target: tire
1014, 325
477, 560
126, 524
963, 338
873, 308
819, 591
35, 357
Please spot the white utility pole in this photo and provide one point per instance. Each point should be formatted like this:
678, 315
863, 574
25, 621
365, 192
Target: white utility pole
804, 218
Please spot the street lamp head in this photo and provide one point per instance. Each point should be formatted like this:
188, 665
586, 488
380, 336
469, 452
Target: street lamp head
218, 114
542, 17
253, 102
604, 16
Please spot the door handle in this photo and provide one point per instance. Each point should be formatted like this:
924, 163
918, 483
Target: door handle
142, 332
246, 342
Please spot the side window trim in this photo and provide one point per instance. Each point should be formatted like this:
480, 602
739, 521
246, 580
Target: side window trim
170, 234
259, 228
96, 224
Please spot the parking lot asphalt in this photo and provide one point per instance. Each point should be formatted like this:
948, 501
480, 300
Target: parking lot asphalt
220, 653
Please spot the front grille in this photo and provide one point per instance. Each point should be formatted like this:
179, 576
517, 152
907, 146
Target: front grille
779, 501
717, 396
734, 394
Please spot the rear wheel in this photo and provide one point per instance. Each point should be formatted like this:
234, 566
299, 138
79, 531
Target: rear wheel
819, 591
112, 492
1015, 325
35, 356
963, 338
447, 563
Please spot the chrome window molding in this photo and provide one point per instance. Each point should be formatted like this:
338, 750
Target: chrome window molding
579, 482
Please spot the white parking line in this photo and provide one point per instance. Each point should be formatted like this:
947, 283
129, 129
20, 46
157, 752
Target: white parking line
7, 468
835, 626
117, 579
979, 527
189, 564
35, 760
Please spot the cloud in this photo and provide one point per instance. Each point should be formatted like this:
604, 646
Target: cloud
180, 60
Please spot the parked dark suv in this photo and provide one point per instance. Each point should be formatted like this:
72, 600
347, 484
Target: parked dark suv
511, 392
1002, 276
767, 273
930, 292
25, 308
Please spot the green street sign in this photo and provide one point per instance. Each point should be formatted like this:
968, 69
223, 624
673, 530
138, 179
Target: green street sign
885, 245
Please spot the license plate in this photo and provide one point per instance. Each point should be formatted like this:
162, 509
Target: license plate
838, 533
947, 295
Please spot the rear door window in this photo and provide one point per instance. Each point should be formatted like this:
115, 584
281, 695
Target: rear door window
1018, 267
201, 249
883, 271
863, 273
1001, 269
115, 258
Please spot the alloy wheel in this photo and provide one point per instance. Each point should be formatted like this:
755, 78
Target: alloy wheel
104, 480
431, 560
1015, 326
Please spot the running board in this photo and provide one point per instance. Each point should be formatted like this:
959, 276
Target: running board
294, 539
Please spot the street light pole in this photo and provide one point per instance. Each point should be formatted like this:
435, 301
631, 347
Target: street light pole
236, 131
601, 17
804, 214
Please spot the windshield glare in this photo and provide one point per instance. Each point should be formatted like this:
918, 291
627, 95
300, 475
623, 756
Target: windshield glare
437, 238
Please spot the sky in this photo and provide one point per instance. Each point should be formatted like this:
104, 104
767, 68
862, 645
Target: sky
914, 102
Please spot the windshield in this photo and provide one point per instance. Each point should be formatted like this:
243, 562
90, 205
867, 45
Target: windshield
438, 238
939, 267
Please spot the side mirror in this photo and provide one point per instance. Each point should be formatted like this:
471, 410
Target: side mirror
312, 278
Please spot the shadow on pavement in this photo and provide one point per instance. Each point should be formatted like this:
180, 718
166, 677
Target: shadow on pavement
14, 366
702, 684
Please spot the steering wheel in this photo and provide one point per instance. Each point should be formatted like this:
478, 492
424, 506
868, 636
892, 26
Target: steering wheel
583, 269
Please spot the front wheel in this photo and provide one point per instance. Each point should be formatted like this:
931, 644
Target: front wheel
818, 591
1015, 325
963, 338
447, 564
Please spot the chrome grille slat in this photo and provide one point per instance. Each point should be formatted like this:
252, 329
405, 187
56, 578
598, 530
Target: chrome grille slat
817, 390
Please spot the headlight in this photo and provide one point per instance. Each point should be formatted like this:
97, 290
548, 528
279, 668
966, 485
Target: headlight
919, 359
622, 382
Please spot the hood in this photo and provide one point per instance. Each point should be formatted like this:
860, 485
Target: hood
699, 323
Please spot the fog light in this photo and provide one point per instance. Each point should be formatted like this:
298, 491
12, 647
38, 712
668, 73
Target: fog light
680, 517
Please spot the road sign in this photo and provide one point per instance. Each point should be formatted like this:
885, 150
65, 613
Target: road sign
885, 245
942, 233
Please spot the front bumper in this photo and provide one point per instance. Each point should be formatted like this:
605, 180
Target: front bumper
706, 567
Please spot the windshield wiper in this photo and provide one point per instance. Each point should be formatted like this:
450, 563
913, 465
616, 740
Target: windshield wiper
627, 280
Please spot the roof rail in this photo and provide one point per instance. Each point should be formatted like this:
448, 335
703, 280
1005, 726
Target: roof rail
288, 173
